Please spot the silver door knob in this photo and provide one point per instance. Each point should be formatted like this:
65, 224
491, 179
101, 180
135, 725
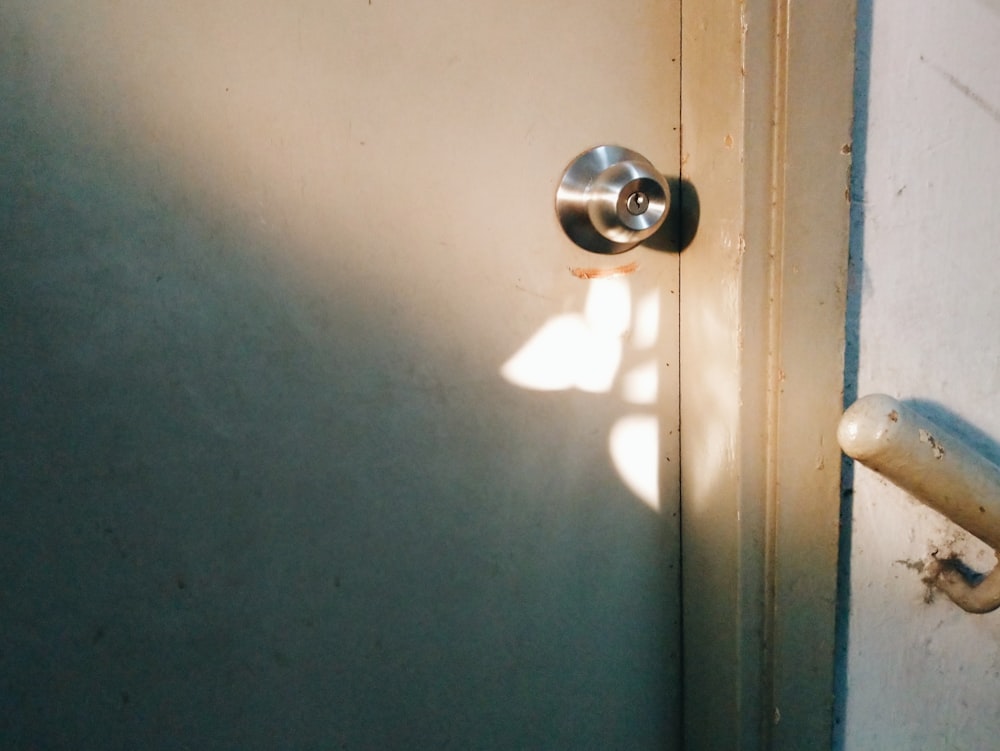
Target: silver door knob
610, 199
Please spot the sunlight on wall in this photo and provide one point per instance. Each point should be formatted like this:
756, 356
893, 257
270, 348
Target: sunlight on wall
585, 351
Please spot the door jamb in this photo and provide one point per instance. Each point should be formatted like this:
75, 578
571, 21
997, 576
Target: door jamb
766, 110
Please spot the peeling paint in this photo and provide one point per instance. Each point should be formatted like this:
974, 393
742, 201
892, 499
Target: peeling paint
591, 273
936, 449
917, 565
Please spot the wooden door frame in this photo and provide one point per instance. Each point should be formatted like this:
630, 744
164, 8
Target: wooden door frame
767, 95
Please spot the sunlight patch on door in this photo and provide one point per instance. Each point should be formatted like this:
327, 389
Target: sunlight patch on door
577, 350
634, 444
586, 351
640, 384
646, 327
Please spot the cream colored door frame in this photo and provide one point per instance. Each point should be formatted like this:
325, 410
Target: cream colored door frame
766, 119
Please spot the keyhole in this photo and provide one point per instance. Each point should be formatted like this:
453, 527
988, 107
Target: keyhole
637, 203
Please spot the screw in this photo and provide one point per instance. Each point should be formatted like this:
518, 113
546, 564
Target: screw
637, 203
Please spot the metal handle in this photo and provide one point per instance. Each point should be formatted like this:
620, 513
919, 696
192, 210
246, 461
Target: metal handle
610, 199
939, 469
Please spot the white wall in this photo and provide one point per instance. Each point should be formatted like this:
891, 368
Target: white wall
923, 674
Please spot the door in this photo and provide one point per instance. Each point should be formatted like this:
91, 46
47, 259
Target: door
319, 432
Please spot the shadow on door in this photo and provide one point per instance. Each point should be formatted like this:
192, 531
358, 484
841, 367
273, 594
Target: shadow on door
252, 501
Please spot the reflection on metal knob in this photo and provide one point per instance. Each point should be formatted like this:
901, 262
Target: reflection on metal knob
610, 199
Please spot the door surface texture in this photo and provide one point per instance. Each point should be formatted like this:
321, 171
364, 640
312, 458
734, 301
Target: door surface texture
317, 431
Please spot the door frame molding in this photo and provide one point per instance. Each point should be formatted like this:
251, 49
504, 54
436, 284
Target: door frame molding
766, 110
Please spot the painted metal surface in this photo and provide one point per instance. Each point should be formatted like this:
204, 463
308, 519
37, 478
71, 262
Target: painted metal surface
927, 461
940, 469
317, 430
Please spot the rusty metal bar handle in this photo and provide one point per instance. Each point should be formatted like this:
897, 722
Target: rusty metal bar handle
938, 468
